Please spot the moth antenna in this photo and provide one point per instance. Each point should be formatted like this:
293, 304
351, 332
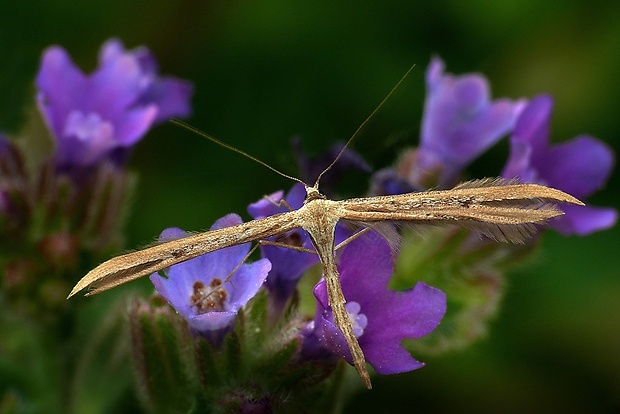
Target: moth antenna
363, 124
203, 134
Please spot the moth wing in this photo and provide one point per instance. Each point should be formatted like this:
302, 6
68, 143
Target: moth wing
134, 265
502, 210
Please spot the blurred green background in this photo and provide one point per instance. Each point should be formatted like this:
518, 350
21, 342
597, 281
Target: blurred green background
267, 70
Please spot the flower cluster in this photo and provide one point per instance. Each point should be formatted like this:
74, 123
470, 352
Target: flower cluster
288, 264
228, 341
209, 290
61, 210
460, 122
579, 167
93, 116
59, 205
382, 318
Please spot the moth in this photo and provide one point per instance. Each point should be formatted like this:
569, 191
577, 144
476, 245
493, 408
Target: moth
502, 210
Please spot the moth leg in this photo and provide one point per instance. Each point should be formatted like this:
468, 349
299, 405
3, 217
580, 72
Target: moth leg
286, 246
228, 278
245, 258
385, 229
281, 203
352, 237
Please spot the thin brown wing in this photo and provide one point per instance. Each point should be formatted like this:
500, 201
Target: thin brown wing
131, 266
500, 209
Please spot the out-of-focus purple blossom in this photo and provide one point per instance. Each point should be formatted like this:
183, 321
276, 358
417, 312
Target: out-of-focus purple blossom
198, 289
381, 318
579, 167
170, 94
91, 116
311, 168
459, 123
288, 265
388, 181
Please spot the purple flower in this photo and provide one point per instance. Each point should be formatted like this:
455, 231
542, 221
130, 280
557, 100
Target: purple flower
311, 167
90, 116
198, 289
459, 123
382, 318
288, 265
579, 167
388, 181
170, 94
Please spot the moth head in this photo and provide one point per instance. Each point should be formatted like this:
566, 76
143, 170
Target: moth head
313, 193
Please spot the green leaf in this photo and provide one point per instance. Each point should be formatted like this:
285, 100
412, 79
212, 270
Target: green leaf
159, 338
102, 375
469, 270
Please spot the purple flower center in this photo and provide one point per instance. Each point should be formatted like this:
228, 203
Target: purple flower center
210, 298
88, 127
359, 321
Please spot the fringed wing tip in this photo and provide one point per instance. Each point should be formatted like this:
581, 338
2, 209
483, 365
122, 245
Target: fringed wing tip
517, 232
507, 234
536, 191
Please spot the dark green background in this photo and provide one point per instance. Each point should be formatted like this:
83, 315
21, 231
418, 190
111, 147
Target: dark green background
265, 70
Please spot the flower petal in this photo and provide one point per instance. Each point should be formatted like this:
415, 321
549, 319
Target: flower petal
391, 358
115, 87
134, 124
212, 321
175, 292
579, 167
411, 314
222, 262
365, 268
265, 206
519, 164
171, 95
460, 121
534, 122
114, 48
245, 282
172, 233
583, 220
110, 50
330, 337
61, 85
